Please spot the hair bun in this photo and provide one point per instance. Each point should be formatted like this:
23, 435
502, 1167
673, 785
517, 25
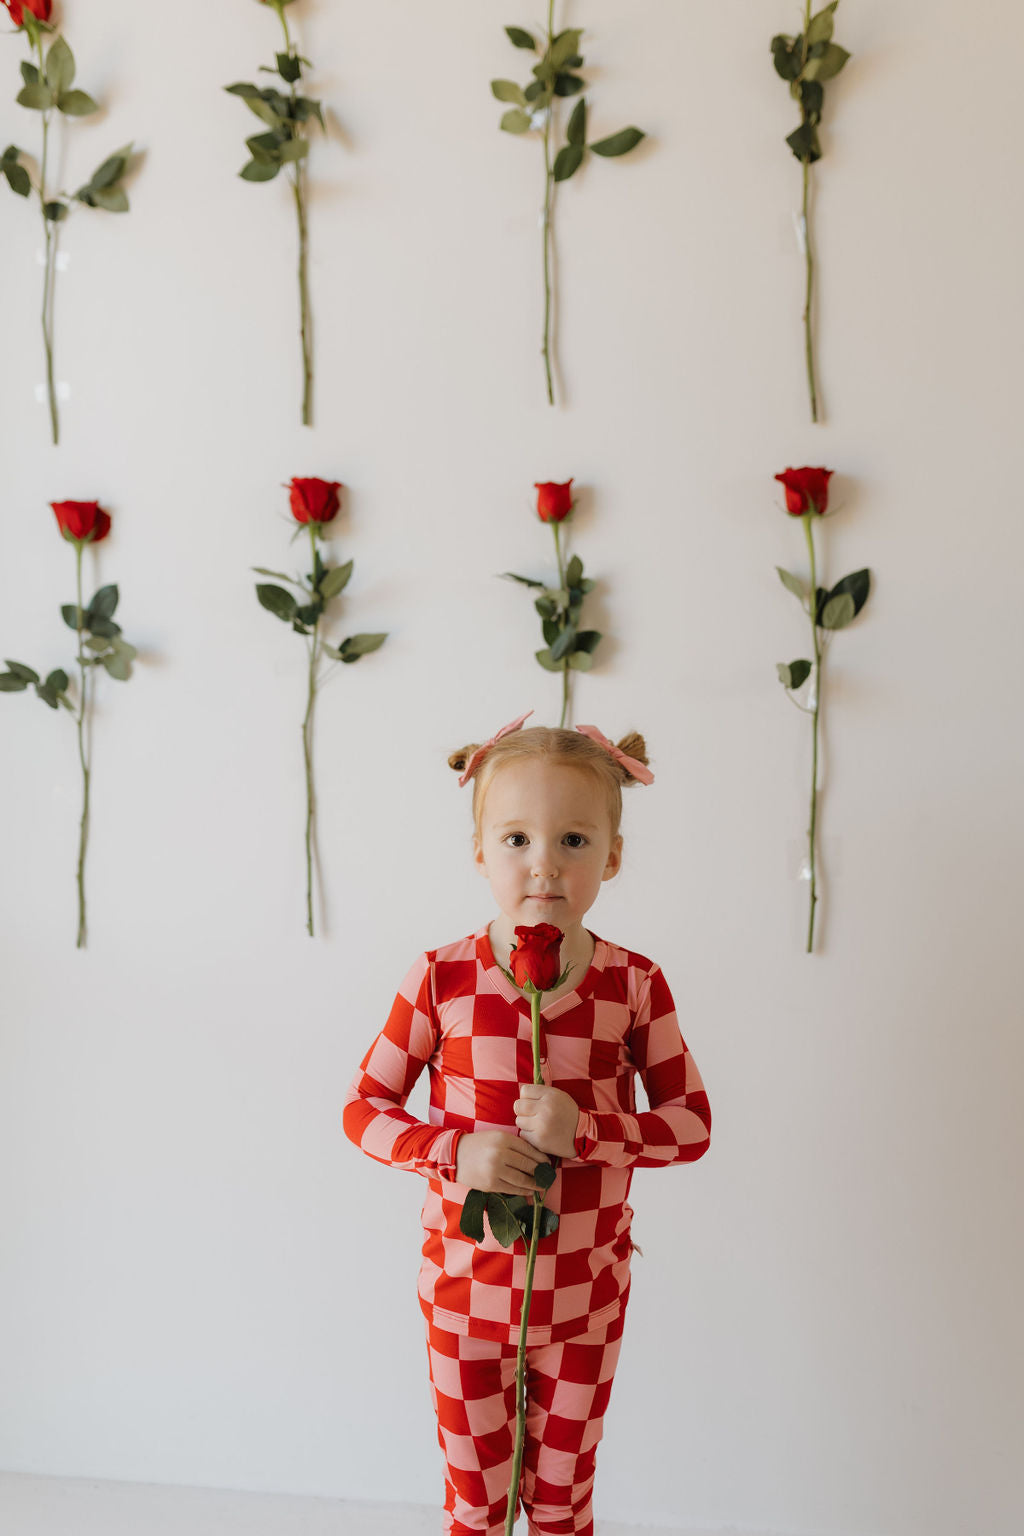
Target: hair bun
633, 745
459, 759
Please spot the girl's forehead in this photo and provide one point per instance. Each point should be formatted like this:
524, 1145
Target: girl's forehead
535, 785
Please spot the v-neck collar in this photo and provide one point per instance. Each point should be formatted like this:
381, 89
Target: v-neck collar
501, 983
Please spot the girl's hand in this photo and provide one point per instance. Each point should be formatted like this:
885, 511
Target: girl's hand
497, 1163
547, 1118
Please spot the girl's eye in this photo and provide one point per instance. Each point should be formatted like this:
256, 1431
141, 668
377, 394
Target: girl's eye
575, 839
513, 835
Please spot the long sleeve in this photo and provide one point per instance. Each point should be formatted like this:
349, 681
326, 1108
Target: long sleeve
677, 1127
374, 1114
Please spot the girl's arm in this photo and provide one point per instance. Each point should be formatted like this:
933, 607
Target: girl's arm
374, 1116
677, 1127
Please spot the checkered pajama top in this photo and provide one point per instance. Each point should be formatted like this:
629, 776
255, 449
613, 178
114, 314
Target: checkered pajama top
458, 1015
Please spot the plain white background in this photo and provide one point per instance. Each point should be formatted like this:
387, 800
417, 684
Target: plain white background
201, 1282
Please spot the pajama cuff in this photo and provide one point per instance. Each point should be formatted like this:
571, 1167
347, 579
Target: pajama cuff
445, 1152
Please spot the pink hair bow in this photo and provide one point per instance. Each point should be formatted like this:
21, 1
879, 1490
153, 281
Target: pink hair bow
632, 765
482, 751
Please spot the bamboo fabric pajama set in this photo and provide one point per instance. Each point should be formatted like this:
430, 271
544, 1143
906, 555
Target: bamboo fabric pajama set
458, 1015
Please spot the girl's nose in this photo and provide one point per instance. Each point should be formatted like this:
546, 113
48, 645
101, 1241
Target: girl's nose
544, 866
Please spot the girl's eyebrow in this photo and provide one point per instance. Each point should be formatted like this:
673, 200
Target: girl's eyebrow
588, 826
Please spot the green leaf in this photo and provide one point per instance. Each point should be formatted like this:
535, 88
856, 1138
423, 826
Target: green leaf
259, 170
288, 67
277, 601
564, 644
17, 178
548, 1221
20, 670
534, 91
9, 683
544, 1175
55, 212
588, 639
521, 38
294, 149
820, 29
118, 664
812, 100
838, 612
526, 580
38, 97
360, 645
576, 128
112, 169
546, 607
619, 143
265, 147
574, 572
786, 56
795, 674
104, 627
515, 121
60, 66
309, 613
581, 661
69, 613
545, 659
858, 585
471, 1222
76, 104
794, 584
565, 45
507, 90
262, 571
48, 695
568, 161
827, 64
335, 581
97, 643
551, 630
112, 199
104, 604
502, 1213
29, 73
804, 143
57, 680
568, 85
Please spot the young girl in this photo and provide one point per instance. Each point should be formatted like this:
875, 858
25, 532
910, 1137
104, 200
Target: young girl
546, 809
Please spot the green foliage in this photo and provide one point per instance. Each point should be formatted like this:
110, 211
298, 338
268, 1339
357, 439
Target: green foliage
793, 675
794, 584
805, 63
16, 174
521, 38
103, 189
619, 143
285, 116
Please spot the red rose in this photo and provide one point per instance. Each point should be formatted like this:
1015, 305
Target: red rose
536, 956
806, 490
314, 501
81, 522
554, 501
40, 9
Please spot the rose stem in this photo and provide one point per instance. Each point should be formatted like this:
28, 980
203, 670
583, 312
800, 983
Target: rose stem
300, 209
548, 184
50, 239
808, 515
565, 663
808, 256
531, 1259
307, 750
80, 723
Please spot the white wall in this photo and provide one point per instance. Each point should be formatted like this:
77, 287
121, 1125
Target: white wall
200, 1280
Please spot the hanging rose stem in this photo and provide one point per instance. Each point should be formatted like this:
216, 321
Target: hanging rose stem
305, 323
549, 183
531, 1259
50, 261
565, 660
83, 835
816, 696
808, 255
307, 749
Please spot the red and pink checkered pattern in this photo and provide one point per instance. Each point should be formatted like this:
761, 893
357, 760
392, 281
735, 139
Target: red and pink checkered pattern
472, 1384
458, 1015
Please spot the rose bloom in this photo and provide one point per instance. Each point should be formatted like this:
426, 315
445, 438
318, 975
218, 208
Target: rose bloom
81, 522
806, 490
314, 501
40, 9
537, 956
554, 501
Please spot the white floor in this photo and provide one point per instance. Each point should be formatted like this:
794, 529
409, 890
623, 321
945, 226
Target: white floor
51, 1506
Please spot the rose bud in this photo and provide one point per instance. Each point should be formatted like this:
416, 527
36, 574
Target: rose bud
806, 490
314, 501
81, 522
554, 501
536, 956
40, 9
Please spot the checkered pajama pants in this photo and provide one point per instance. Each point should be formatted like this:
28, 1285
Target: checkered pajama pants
473, 1388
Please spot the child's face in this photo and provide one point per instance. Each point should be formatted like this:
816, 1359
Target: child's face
545, 842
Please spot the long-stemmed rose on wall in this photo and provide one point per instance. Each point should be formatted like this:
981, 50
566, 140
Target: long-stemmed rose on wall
532, 108
806, 62
827, 610
285, 146
48, 88
535, 968
100, 644
567, 648
314, 503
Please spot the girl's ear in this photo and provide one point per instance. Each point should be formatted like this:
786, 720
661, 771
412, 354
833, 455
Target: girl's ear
478, 852
614, 863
